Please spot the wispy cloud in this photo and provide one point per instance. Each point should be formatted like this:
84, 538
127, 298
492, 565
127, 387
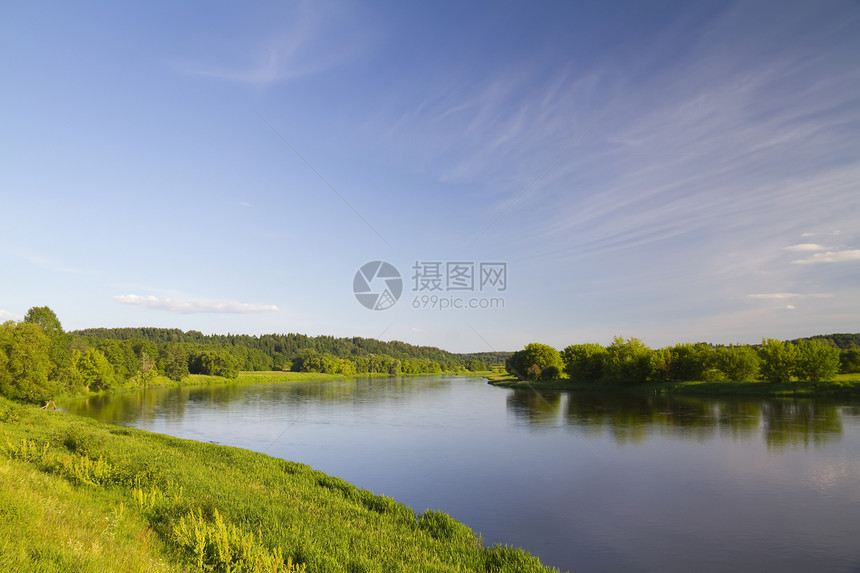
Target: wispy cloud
803, 247
302, 48
785, 296
193, 306
831, 257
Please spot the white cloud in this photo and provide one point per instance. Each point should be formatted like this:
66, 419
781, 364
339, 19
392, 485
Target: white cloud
193, 306
5, 315
806, 247
784, 296
831, 257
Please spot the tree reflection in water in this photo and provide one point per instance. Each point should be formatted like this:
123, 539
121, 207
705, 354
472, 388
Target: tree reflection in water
631, 418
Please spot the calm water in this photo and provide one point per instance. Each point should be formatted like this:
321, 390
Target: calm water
587, 482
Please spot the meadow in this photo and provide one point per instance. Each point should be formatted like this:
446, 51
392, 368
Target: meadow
77, 494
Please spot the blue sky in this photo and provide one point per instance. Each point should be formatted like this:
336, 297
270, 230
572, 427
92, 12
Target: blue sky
673, 171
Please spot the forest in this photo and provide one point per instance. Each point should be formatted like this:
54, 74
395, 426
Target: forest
39, 360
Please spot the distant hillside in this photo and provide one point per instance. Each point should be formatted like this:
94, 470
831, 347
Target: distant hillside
840, 341
289, 345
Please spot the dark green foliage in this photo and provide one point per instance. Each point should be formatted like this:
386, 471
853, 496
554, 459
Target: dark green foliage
531, 361
584, 362
476, 365
691, 361
214, 363
175, 360
490, 359
778, 360
550, 372
840, 341
739, 363
816, 361
289, 345
849, 361
121, 357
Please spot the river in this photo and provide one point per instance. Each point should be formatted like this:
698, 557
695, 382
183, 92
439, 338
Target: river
588, 482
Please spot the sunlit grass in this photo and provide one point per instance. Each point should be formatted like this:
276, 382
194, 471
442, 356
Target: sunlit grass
80, 495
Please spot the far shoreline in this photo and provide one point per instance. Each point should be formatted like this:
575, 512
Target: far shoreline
844, 386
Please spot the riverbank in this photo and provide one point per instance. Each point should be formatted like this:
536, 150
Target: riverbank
77, 494
843, 386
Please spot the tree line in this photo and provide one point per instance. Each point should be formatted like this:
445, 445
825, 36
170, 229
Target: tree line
630, 362
39, 360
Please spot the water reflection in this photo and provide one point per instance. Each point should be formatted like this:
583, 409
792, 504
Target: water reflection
631, 418
170, 404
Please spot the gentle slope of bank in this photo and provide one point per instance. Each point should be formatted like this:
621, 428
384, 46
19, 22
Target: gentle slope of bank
76, 494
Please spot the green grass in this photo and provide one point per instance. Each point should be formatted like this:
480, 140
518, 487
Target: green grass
80, 495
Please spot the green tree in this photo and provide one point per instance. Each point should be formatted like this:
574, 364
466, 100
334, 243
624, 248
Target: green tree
584, 362
628, 361
530, 362
63, 369
175, 361
778, 360
816, 361
45, 318
849, 361
739, 363
25, 363
476, 365
95, 370
214, 363
691, 361
121, 357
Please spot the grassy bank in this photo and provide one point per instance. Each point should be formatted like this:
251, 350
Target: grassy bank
80, 495
843, 386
